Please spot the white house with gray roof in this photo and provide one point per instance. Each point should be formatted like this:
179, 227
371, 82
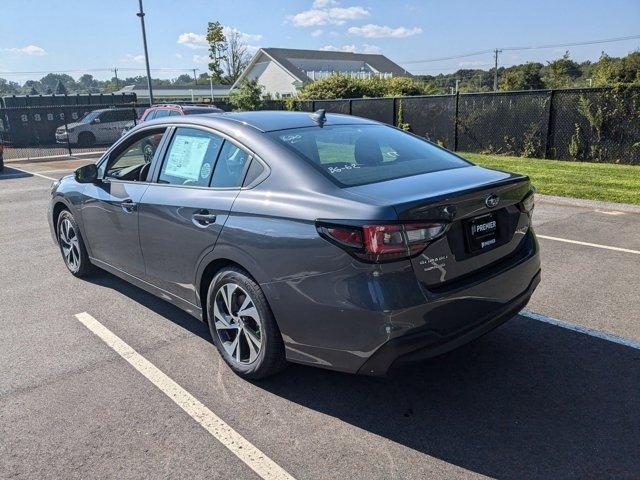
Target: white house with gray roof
284, 71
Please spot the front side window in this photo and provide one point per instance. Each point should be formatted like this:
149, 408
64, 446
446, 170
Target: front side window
134, 161
359, 154
190, 158
230, 168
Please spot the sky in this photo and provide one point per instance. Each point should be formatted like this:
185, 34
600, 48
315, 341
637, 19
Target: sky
93, 36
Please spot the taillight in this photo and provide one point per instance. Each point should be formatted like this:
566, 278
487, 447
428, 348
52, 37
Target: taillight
528, 202
383, 243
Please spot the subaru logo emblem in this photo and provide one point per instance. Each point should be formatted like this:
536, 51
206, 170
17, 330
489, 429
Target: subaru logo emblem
492, 200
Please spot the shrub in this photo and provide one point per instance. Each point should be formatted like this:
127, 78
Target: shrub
345, 86
247, 97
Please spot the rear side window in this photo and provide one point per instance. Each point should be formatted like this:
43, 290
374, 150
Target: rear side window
359, 154
230, 168
162, 113
190, 158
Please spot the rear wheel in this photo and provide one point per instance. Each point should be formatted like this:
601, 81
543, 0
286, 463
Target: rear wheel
72, 246
243, 327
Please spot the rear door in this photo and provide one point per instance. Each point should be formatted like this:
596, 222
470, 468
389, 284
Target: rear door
185, 207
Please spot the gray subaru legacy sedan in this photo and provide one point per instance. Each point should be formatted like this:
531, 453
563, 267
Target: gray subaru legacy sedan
322, 239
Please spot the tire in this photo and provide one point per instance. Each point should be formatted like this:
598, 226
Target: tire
259, 349
86, 139
72, 248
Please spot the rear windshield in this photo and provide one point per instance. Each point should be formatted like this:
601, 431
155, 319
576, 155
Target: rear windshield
359, 154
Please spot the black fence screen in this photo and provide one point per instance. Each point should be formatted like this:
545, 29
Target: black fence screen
596, 124
38, 131
593, 124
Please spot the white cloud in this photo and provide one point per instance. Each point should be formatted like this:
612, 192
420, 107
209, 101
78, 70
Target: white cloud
196, 41
334, 16
192, 40
317, 33
200, 59
245, 37
364, 48
129, 57
343, 48
324, 3
378, 31
178, 55
31, 50
373, 49
471, 63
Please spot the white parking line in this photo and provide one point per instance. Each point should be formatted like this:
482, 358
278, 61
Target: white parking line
218, 428
579, 328
30, 173
596, 245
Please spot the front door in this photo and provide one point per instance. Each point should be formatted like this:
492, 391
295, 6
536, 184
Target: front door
110, 206
184, 209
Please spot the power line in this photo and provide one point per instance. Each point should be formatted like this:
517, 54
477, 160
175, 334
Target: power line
532, 47
86, 70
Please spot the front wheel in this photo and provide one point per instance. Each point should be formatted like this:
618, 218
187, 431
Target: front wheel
242, 325
72, 246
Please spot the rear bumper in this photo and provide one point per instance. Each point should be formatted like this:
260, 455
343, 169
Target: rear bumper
430, 343
363, 318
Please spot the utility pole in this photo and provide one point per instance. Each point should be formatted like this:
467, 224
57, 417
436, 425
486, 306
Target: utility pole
211, 87
194, 75
115, 73
495, 73
146, 52
457, 84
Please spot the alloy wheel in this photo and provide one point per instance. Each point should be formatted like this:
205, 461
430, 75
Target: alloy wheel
237, 323
70, 244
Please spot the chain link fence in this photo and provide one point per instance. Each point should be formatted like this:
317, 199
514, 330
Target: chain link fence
591, 124
62, 130
595, 124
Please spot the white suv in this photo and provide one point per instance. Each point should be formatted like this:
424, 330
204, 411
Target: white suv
96, 128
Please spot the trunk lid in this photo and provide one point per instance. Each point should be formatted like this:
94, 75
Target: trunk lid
481, 233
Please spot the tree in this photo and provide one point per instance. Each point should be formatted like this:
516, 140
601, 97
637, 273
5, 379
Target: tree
217, 42
236, 57
89, 84
7, 87
561, 73
61, 89
247, 97
522, 77
183, 79
53, 79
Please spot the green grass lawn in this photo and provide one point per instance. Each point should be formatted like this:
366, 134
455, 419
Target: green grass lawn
594, 181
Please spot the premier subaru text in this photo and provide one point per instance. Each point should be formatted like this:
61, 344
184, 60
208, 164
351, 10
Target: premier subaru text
322, 239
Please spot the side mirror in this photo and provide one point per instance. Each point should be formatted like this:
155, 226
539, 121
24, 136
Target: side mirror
95, 121
87, 174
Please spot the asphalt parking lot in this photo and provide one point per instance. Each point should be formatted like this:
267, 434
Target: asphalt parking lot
536, 398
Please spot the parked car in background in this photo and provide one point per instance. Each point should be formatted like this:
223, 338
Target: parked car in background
99, 127
171, 110
1, 155
329, 240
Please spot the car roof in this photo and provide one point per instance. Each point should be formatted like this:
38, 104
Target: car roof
269, 121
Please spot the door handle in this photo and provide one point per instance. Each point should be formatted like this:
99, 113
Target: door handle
203, 219
128, 205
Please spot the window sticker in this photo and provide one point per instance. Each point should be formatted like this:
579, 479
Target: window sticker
186, 156
205, 171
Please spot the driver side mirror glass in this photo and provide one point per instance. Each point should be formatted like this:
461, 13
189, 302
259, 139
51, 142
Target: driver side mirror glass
87, 174
95, 121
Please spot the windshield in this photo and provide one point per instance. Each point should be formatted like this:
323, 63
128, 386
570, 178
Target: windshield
90, 116
358, 154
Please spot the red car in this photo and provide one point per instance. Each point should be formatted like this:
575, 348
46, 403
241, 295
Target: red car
168, 110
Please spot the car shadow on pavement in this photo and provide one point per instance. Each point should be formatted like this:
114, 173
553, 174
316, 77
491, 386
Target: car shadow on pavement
11, 173
530, 400
155, 304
